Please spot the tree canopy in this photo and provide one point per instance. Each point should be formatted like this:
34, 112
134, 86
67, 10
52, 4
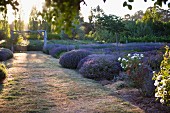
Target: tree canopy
63, 13
4, 3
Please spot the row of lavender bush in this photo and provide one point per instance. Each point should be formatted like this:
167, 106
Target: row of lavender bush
138, 66
5, 54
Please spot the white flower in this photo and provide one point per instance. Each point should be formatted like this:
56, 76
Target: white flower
156, 83
129, 55
119, 58
141, 55
121, 65
157, 95
162, 101
165, 92
123, 59
159, 77
139, 63
160, 88
132, 57
153, 72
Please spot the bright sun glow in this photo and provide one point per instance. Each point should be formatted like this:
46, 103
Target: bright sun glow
110, 7
26, 6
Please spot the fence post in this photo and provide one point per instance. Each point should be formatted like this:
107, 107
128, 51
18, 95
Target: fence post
12, 40
45, 39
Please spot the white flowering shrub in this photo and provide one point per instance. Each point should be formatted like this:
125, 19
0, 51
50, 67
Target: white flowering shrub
133, 66
162, 79
130, 61
139, 74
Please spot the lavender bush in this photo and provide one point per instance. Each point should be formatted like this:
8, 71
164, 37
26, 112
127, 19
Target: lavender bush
95, 57
100, 67
49, 47
56, 51
5, 54
153, 59
71, 59
3, 73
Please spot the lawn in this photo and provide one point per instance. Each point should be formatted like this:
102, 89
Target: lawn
37, 83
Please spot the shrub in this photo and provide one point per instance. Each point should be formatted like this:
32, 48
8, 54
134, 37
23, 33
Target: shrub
5, 54
138, 73
104, 35
162, 80
100, 67
3, 72
153, 59
56, 51
71, 59
94, 57
49, 47
53, 36
2, 35
35, 45
130, 61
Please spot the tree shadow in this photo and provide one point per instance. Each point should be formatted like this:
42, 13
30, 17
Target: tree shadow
148, 104
1, 87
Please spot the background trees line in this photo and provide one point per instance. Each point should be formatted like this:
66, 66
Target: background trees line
151, 25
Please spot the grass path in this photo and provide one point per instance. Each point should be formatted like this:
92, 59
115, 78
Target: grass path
37, 84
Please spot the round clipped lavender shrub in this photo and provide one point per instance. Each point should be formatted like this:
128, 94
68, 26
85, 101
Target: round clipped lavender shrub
57, 51
5, 54
72, 58
97, 56
100, 67
3, 73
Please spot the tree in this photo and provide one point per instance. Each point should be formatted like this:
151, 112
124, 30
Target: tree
63, 12
33, 19
4, 3
138, 15
152, 14
111, 24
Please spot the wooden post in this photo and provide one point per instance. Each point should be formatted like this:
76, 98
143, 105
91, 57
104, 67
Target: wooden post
116, 42
12, 40
45, 39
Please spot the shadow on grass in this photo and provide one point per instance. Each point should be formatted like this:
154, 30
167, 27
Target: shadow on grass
1, 87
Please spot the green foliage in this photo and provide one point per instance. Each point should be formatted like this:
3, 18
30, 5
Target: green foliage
58, 12
53, 36
157, 2
107, 26
146, 38
111, 23
162, 79
4, 3
103, 35
4, 29
35, 45
3, 72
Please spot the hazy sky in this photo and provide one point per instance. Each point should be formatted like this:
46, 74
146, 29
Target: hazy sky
115, 7
110, 7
